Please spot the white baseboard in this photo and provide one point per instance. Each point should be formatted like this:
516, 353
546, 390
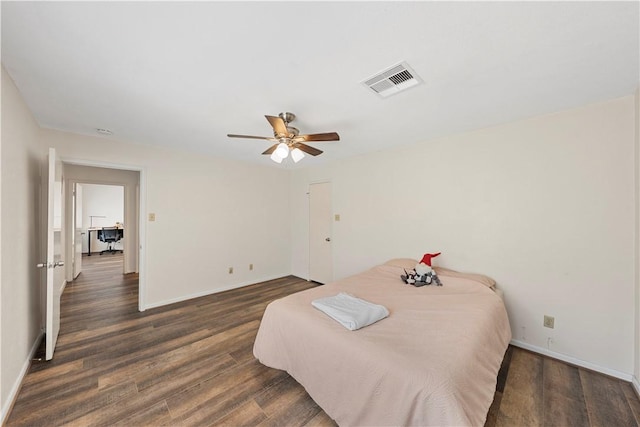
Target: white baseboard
636, 385
573, 360
210, 292
16, 385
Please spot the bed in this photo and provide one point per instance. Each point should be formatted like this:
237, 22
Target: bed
433, 361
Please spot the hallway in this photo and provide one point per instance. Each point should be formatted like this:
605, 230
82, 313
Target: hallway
100, 296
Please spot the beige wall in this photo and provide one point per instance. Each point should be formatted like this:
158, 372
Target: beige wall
544, 205
211, 214
20, 279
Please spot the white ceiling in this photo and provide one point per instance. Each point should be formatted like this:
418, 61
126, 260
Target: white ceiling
184, 75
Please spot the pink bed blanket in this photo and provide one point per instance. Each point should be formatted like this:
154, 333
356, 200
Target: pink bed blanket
433, 361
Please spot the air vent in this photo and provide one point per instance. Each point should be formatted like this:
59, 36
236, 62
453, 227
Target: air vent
393, 80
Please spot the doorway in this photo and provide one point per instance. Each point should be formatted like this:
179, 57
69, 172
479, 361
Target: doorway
320, 233
110, 197
99, 206
67, 191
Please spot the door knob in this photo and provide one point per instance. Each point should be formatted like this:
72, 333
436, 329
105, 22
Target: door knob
41, 265
328, 239
58, 264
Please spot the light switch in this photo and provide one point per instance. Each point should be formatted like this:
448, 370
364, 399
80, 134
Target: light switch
152, 217
337, 217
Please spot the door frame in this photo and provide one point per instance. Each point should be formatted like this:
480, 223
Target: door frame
139, 207
75, 186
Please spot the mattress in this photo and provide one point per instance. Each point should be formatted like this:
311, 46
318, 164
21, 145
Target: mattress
433, 361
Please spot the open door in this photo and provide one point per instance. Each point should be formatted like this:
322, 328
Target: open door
77, 229
55, 276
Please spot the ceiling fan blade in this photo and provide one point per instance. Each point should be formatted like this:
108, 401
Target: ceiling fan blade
331, 136
271, 149
307, 148
268, 138
278, 125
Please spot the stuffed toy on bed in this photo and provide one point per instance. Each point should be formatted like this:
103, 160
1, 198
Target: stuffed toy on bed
422, 274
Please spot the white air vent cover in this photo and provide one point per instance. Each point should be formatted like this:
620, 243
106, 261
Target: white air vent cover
393, 80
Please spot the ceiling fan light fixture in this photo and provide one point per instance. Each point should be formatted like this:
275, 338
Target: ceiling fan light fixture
282, 151
297, 155
275, 157
287, 139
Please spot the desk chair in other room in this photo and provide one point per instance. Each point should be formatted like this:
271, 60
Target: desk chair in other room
110, 235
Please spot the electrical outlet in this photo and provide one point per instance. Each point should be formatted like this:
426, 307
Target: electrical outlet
230, 270
548, 321
250, 266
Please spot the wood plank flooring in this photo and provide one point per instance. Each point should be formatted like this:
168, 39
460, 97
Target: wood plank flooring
535, 390
191, 363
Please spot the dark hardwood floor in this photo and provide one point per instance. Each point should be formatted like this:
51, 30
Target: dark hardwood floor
191, 363
535, 390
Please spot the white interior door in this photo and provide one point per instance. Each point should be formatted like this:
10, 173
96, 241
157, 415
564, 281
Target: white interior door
320, 221
77, 226
55, 276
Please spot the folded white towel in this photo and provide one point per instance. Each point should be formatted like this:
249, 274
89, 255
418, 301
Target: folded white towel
352, 313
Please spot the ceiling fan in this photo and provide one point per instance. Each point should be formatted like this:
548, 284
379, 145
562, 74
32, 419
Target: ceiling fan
288, 139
